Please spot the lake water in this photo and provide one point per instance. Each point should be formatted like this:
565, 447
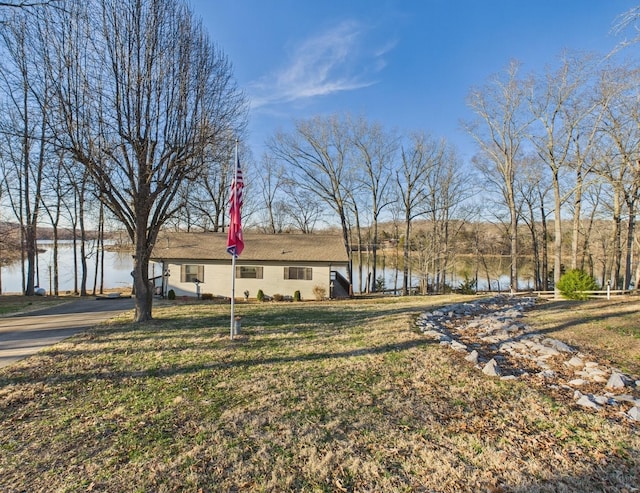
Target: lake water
117, 270
391, 281
118, 267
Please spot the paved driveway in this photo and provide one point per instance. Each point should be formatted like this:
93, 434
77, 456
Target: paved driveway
25, 334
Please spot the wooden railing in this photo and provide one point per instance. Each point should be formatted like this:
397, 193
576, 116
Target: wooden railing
590, 294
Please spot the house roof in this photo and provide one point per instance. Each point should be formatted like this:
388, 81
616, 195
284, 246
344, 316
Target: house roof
257, 247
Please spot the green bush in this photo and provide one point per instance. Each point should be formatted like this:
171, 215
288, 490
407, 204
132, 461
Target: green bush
573, 283
468, 286
296, 296
171, 294
260, 295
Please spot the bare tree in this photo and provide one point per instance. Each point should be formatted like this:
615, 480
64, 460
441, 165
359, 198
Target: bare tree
375, 150
270, 185
205, 198
302, 207
625, 22
27, 4
418, 160
447, 188
32, 8
593, 198
25, 133
139, 106
533, 188
317, 151
54, 204
619, 162
562, 107
500, 130
354, 219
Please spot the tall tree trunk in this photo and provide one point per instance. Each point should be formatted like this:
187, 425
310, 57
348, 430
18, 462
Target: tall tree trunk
374, 254
31, 252
557, 235
83, 240
74, 224
631, 222
360, 246
587, 236
405, 256
96, 267
575, 230
533, 229
56, 268
545, 245
445, 251
396, 257
141, 285
616, 243
101, 248
637, 276
513, 235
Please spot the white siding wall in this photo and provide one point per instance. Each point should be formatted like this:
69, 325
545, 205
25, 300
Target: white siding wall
217, 281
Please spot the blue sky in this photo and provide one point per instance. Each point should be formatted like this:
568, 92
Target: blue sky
408, 64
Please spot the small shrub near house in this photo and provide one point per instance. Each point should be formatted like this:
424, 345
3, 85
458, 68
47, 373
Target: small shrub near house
296, 296
171, 294
319, 292
468, 286
573, 283
278, 297
207, 296
260, 295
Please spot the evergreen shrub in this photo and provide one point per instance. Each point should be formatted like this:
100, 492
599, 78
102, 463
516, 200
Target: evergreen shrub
573, 283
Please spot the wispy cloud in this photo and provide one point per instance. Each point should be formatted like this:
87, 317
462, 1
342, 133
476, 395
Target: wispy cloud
334, 61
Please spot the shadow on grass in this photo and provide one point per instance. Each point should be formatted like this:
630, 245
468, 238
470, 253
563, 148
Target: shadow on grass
258, 322
612, 476
576, 306
102, 372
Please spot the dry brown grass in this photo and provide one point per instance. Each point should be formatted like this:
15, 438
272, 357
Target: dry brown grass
609, 329
12, 304
332, 396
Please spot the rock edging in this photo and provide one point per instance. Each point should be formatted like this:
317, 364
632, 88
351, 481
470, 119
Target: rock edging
501, 345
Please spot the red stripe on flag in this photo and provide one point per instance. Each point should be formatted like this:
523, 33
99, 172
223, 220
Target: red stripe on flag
235, 243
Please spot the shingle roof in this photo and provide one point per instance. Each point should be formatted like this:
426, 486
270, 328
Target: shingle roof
257, 247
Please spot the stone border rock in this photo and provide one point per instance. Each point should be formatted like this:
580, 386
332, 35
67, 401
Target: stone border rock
501, 345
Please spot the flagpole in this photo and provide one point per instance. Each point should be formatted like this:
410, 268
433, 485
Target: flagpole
233, 295
233, 257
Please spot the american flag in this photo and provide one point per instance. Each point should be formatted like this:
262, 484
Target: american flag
235, 243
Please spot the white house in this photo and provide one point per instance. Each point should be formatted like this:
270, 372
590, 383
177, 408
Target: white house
196, 263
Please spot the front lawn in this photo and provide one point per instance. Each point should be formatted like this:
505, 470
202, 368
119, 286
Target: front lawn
329, 396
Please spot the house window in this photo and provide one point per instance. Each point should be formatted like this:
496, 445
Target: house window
300, 273
191, 273
248, 272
